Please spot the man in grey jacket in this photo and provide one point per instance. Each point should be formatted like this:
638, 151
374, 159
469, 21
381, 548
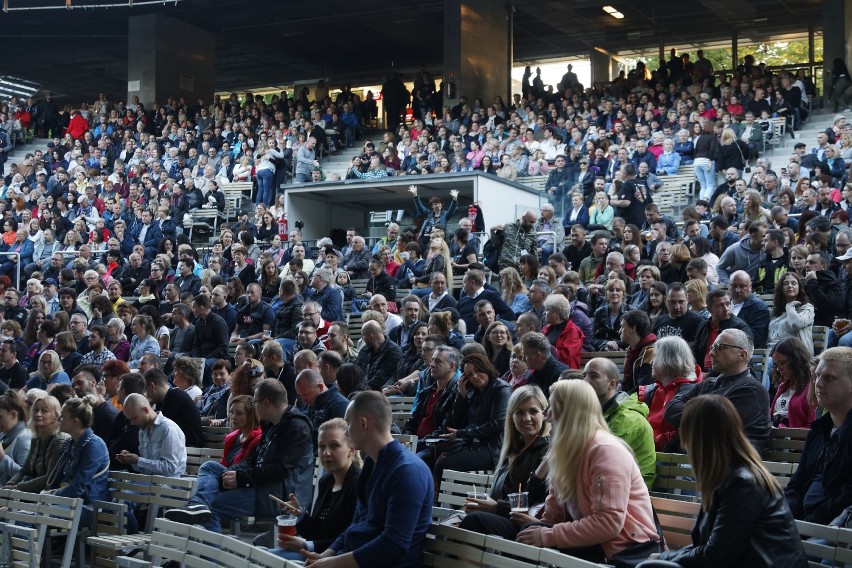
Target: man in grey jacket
306, 160
747, 255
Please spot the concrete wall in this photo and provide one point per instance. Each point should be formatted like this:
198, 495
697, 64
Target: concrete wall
477, 54
168, 57
837, 30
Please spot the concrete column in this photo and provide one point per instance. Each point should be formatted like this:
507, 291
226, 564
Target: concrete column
735, 58
603, 66
167, 57
478, 68
836, 30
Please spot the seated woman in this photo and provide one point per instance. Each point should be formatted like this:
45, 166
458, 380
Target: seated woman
673, 370
598, 506
475, 427
441, 324
49, 372
214, 400
83, 472
794, 404
525, 443
16, 437
246, 435
744, 519
518, 373
335, 504
46, 446
513, 291
187, 377
497, 342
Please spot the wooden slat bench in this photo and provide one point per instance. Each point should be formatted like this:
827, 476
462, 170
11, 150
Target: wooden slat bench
49, 515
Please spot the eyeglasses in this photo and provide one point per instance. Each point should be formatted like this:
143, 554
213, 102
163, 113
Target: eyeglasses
722, 346
310, 315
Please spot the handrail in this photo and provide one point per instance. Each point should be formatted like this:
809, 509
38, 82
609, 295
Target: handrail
18, 265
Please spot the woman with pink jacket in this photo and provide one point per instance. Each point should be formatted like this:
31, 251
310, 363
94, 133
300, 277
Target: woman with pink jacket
598, 507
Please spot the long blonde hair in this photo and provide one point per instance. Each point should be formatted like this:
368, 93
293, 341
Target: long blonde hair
712, 433
576, 414
513, 441
511, 284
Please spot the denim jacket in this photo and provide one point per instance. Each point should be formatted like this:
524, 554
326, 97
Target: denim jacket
83, 471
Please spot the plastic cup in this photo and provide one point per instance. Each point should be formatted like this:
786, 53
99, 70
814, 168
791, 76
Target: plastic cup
476, 495
286, 526
519, 502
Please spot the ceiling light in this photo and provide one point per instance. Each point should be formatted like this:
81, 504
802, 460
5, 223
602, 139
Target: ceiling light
613, 12
617, 15
609, 9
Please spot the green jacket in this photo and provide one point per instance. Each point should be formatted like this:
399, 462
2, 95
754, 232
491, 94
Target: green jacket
628, 419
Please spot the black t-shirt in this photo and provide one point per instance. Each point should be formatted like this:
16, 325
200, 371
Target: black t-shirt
685, 327
253, 318
14, 377
638, 195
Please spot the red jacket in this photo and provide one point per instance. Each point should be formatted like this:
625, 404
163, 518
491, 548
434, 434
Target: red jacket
663, 431
569, 344
800, 414
246, 448
77, 126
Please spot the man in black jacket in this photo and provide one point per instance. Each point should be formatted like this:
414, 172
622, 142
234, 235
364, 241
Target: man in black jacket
823, 289
749, 308
175, 405
821, 486
379, 357
210, 339
280, 465
731, 353
435, 403
721, 319
578, 249
474, 291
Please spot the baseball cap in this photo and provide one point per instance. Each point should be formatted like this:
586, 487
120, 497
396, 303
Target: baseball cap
51, 282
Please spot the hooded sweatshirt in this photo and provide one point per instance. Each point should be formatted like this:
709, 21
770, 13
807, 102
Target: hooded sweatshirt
628, 419
740, 257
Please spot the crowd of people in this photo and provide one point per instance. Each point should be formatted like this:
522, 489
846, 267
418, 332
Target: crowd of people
115, 330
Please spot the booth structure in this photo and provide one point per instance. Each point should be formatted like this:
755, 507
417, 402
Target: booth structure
323, 207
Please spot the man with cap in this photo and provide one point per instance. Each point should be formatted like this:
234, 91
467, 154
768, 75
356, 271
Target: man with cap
51, 296
243, 221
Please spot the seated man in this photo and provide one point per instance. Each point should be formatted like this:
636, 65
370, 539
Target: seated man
395, 493
821, 487
319, 402
175, 404
625, 416
281, 464
162, 446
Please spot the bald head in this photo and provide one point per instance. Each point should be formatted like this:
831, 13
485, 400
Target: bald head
740, 286
373, 334
138, 410
602, 375
305, 359
309, 385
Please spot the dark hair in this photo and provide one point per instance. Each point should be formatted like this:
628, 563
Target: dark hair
702, 246
202, 301
638, 320
272, 390
480, 364
221, 364
779, 301
719, 221
156, 376
715, 294
798, 362
11, 401
133, 383
350, 379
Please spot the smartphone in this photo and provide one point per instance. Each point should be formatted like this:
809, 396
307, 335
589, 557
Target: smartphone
279, 501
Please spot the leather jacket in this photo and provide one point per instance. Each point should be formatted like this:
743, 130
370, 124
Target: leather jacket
744, 526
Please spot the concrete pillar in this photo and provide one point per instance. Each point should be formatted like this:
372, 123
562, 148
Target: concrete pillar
604, 67
167, 57
836, 30
735, 58
478, 68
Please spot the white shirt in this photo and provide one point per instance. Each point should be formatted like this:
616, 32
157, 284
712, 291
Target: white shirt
434, 301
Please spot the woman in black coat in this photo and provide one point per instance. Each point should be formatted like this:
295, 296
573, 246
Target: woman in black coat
744, 518
335, 505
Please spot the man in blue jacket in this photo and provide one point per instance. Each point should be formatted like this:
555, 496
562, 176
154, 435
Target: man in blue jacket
394, 507
474, 291
148, 234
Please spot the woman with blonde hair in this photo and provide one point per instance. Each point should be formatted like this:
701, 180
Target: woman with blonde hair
513, 291
753, 208
525, 444
744, 518
598, 505
696, 296
46, 446
49, 372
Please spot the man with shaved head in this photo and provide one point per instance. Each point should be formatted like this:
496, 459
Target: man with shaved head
625, 415
162, 445
749, 308
379, 357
